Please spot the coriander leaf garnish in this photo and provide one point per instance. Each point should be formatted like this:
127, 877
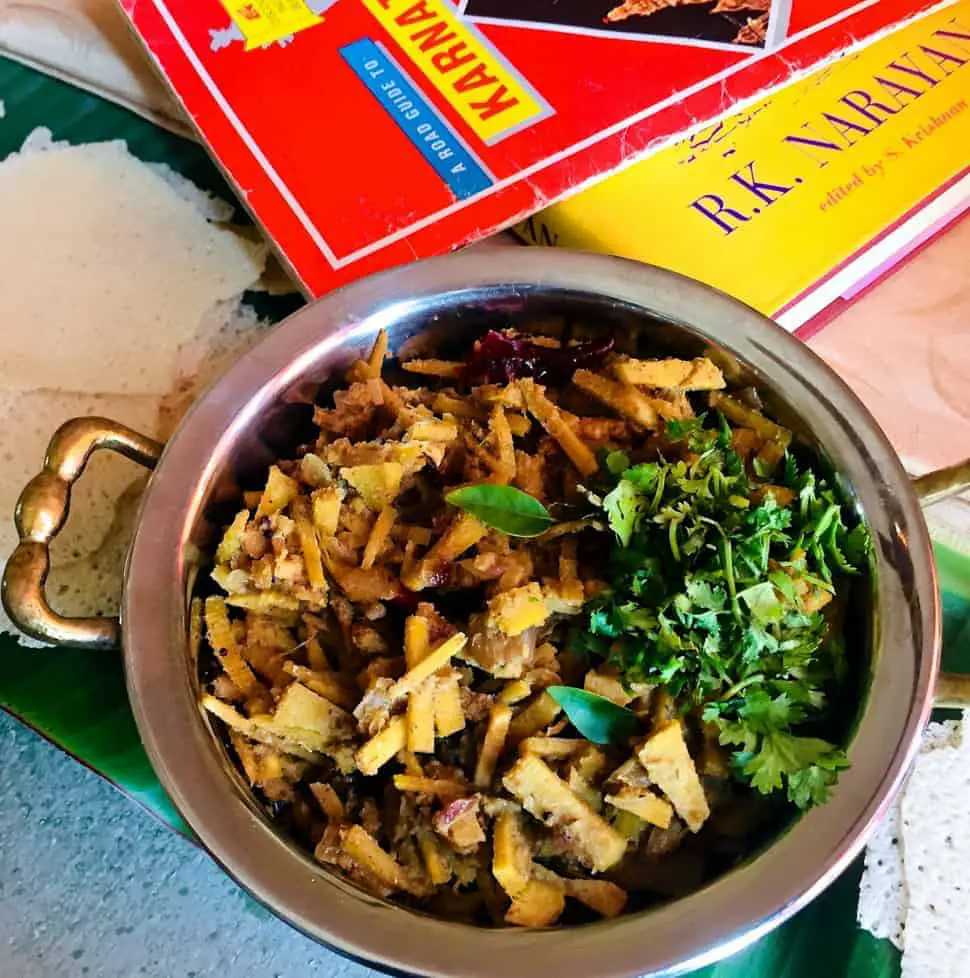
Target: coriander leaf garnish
623, 506
805, 766
503, 508
813, 784
717, 583
595, 717
764, 601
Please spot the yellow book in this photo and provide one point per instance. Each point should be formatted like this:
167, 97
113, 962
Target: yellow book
795, 201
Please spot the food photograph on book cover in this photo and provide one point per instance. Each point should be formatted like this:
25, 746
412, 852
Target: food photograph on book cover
743, 22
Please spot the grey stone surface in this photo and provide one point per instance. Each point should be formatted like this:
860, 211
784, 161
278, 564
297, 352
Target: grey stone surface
92, 887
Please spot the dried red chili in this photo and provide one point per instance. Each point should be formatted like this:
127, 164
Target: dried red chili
498, 358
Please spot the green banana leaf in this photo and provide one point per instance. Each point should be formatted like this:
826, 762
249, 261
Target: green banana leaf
77, 699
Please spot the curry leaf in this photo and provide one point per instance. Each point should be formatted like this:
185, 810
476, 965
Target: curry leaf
595, 717
503, 508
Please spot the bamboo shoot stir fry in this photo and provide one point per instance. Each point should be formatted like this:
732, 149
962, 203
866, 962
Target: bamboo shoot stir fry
534, 637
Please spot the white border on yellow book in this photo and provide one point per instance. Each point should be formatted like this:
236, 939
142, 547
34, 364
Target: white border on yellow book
947, 206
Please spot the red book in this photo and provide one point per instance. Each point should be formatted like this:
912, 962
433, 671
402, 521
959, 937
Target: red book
366, 133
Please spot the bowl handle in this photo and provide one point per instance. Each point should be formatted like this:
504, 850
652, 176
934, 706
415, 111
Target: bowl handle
943, 483
41, 512
952, 689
